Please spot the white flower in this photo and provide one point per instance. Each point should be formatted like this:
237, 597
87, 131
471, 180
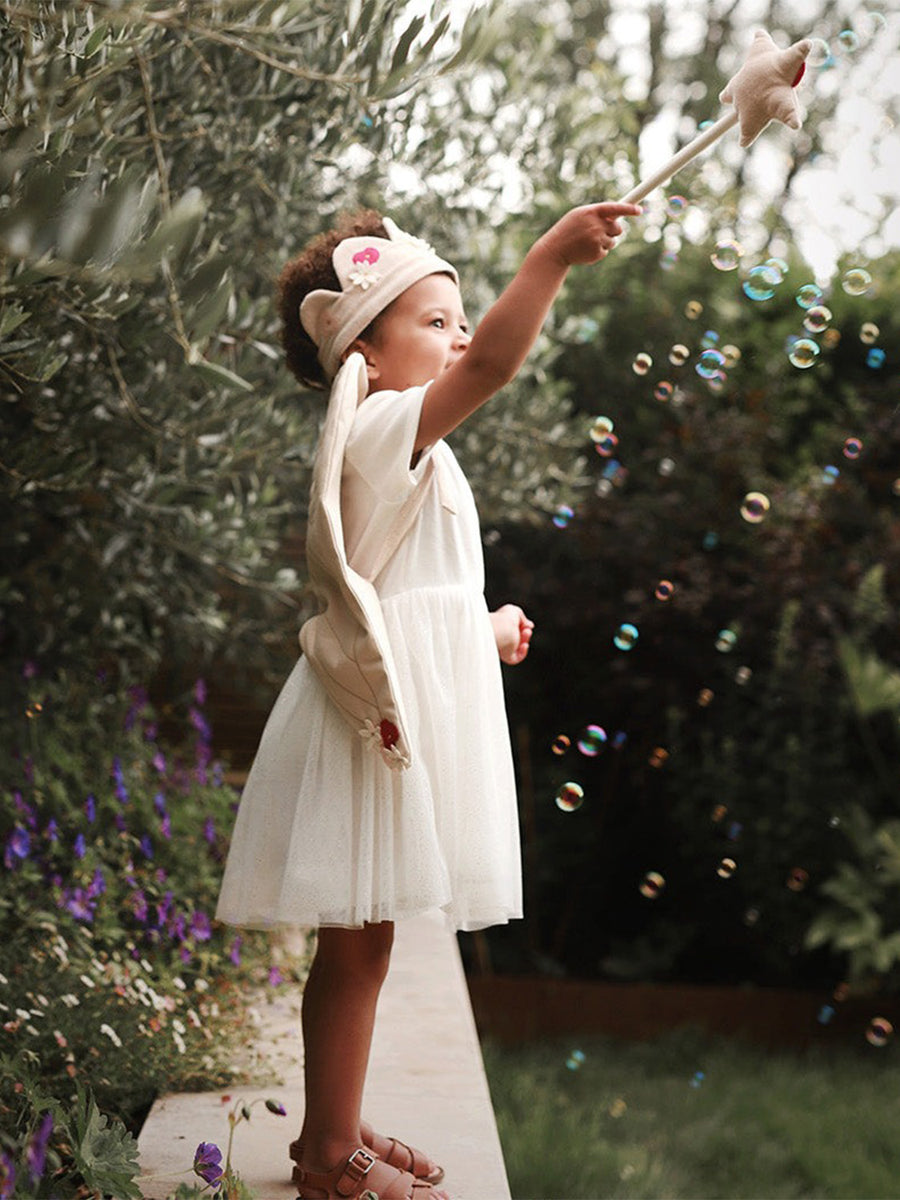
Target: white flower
180, 984
3, 980
179, 1041
111, 1034
201, 985
178, 1026
70, 1001
86, 980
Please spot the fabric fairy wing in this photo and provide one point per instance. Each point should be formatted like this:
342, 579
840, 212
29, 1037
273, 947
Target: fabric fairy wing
346, 643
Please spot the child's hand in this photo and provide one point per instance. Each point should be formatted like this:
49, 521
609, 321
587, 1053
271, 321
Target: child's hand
587, 234
512, 633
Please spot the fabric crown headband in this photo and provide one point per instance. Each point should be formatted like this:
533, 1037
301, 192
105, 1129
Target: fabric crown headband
372, 272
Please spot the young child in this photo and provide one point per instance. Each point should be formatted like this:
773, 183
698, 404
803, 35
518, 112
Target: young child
383, 785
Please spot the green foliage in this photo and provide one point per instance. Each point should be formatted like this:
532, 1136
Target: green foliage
104, 1153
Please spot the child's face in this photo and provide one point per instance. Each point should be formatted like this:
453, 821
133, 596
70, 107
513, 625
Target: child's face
422, 333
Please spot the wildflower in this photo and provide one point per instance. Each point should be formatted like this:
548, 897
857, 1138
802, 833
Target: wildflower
36, 1154
51, 833
18, 846
235, 952
200, 927
7, 1177
97, 886
86, 980
275, 977
274, 1107
79, 846
119, 776
147, 846
165, 827
159, 803
111, 1034
61, 1041
179, 1041
208, 1163
90, 809
209, 830
159, 761
200, 691
29, 669
79, 903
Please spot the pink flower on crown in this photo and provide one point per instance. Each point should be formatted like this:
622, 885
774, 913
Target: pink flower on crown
368, 255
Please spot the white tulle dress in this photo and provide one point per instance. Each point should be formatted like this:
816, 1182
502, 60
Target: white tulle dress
326, 833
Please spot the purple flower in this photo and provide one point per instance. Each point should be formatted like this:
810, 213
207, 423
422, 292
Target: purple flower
29, 669
19, 843
208, 1163
163, 909
209, 830
52, 831
274, 1107
79, 903
119, 776
275, 977
200, 723
79, 846
200, 691
97, 886
7, 1177
90, 809
235, 952
25, 809
165, 827
159, 803
139, 905
200, 927
28, 768
177, 927
36, 1154
159, 761
147, 846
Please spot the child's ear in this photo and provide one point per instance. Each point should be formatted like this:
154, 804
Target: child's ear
365, 349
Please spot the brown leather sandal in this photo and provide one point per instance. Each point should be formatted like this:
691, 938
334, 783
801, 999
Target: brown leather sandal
399, 1155
359, 1176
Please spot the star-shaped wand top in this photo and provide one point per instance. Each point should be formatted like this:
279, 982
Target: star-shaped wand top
763, 89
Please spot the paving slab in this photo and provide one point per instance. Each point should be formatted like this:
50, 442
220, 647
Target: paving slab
426, 1084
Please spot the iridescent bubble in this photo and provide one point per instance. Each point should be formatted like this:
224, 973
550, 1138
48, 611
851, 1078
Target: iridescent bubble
710, 540
705, 697
716, 381
575, 1060
709, 340
710, 362
829, 475
726, 640
826, 1012
625, 637
665, 466
727, 255
668, 260
809, 295
875, 358
570, 797
697, 1078
856, 281
676, 206
848, 41
895, 487
592, 741
563, 516
803, 353
853, 447
616, 1110
830, 338
778, 268
679, 354
726, 868
652, 885
607, 445
665, 590
743, 675
585, 330
663, 391
751, 916
870, 24
658, 757
560, 744
719, 813
797, 879
619, 738
761, 282
880, 1032
819, 53
693, 309
868, 333
642, 363
755, 507
600, 428
817, 318
732, 355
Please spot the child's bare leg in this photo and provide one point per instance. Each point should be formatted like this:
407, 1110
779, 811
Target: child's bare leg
339, 1003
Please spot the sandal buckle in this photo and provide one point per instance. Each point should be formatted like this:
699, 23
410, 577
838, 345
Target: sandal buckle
359, 1164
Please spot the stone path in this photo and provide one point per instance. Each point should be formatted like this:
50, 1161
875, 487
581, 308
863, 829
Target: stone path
426, 1085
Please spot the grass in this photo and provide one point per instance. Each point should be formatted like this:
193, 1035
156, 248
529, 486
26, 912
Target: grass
694, 1118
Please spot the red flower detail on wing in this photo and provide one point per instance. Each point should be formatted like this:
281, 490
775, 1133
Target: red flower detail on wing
368, 255
390, 734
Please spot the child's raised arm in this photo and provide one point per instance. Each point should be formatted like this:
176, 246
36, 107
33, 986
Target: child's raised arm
504, 337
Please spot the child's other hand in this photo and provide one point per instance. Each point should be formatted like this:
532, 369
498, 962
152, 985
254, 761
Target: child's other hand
587, 234
512, 633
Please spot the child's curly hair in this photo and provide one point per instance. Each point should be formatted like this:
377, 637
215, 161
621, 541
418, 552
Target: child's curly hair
311, 269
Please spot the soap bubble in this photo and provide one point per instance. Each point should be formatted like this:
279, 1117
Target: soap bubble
852, 447
732, 355
809, 295
797, 879
727, 255
563, 516
585, 329
665, 589
829, 475
625, 637
652, 885
826, 1012
743, 675
751, 916
719, 813
606, 445
575, 1060
830, 338
592, 741
665, 466
880, 1032
726, 868
755, 506
868, 333
616, 1110
600, 428
803, 353
705, 697
761, 282
817, 318
848, 40
679, 354
642, 364
819, 53
561, 744
710, 540
875, 358
856, 281
709, 363
668, 260
778, 268
663, 390
658, 756
570, 797
710, 338
870, 24
619, 739
698, 1078
676, 206
726, 639
693, 309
